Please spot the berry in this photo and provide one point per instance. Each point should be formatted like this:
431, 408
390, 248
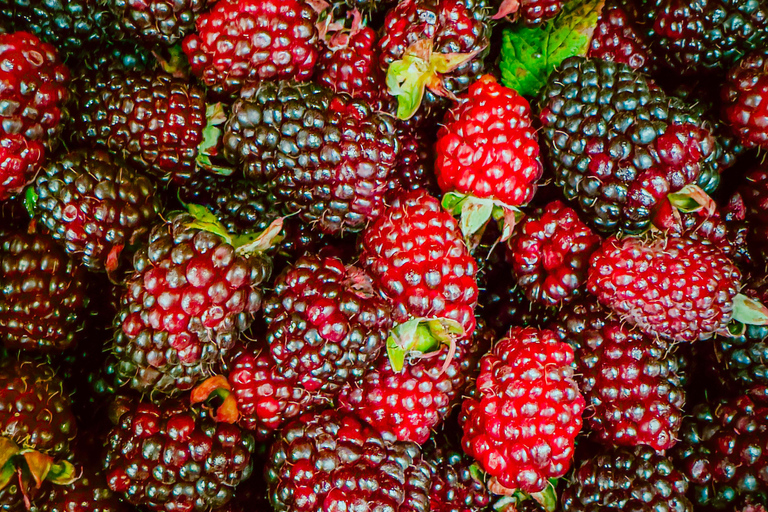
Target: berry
637, 479
94, 205
334, 172
158, 21
745, 99
414, 169
169, 457
722, 450
190, 295
754, 194
325, 323
521, 423
20, 159
33, 88
618, 145
36, 429
486, 146
536, 12
455, 485
674, 288
617, 40
243, 42
89, 493
417, 258
334, 461
550, 253
152, 119
629, 381
410, 404
44, 297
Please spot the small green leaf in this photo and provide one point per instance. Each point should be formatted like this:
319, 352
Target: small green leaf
452, 202
39, 464
62, 473
407, 80
7, 450
476, 473
546, 498
530, 54
749, 311
205, 220
692, 198
475, 213
6, 474
253, 243
395, 354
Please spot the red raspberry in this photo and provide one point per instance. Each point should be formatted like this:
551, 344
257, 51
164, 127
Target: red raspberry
487, 147
521, 422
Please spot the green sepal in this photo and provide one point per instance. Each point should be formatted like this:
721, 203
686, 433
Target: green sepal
62, 473
6, 474
749, 311
407, 80
259, 242
474, 214
214, 116
38, 464
30, 200
547, 498
692, 198
8, 449
400, 341
420, 336
530, 54
477, 473
205, 220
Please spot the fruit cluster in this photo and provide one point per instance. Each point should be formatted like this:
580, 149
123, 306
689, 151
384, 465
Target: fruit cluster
383, 255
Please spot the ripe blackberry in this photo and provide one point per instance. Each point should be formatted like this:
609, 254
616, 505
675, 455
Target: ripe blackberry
411, 403
191, 293
334, 172
455, 484
739, 361
617, 40
704, 36
674, 288
94, 205
36, 429
550, 253
745, 99
243, 206
151, 119
630, 381
44, 296
536, 12
334, 461
89, 493
20, 160
442, 27
722, 450
521, 423
33, 88
158, 21
417, 258
754, 194
243, 42
414, 169
170, 458
326, 323
618, 145
486, 147
637, 479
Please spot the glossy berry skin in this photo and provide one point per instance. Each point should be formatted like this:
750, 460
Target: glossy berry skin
334, 461
414, 169
412, 403
33, 88
486, 146
158, 21
20, 159
35, 414
417, 257
453, 26
170, 458
267, 399
44, 296
631, 382
745, 99
549, 252
722, 450
454, 488
754, 194
637, 479
617, 40
334, 172
151, 119
521, 423
90, 493
739, 361
185, 304
241, 42
705, 36
536, 12
95, 205
326, 323
618, 145
674, 288
349, 64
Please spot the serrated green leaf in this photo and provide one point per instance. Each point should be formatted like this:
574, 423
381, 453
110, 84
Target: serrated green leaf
530, 54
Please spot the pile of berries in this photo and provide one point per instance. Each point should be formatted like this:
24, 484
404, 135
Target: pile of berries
383, 255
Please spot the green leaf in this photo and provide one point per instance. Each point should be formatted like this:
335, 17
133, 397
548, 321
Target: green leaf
530, 54
749, 311
30, 200
62, 473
